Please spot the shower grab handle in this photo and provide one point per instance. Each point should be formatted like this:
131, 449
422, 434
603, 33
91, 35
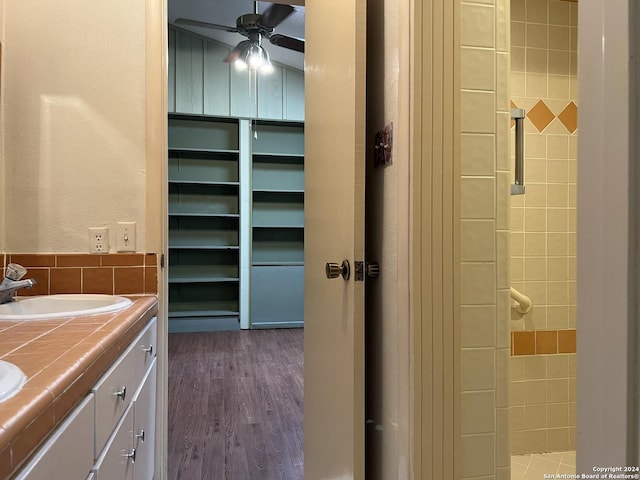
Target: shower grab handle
517, 188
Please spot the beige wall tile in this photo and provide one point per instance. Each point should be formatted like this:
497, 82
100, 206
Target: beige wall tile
536, 195
535, 219
535, 170
557, 268
535, 416
518, 84
558, 317
477, 68
477, 25
537, 36
517, 33
536, 145
558, 439
502, 25
503, 185
557, 219
536, 85
516, 368
559, 13
535, 367
503, 141
559, 63
535, 269
478, 455
557, 293
557, 244
502, 268
558, 171
537, 11
557, 366
535, 392
516, 417
478, 324
477, 111
559, 38
477, 153
503, 327
557, 415
558, 390
558, 146
477, 283
477, 197
477, 240
557, 195
477, 369
518, 61
517, 243
536, 440
478, 412
502, 377
518, 12
559, 86
503, 102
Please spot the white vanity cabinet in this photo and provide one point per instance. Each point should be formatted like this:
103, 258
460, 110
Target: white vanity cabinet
111, 434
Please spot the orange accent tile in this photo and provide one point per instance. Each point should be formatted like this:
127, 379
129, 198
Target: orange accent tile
122, 259
524, 343
41, 276
66, 280
546, 342
150, 259
129, 280
540, 115
566, 341
78, 260
569, 117
33, 259
97, 280
151, 280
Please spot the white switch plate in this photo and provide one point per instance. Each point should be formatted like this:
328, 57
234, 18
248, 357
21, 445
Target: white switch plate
126, 236
99, 239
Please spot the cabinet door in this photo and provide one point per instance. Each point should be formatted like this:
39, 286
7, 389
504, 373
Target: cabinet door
144, 431
68, 453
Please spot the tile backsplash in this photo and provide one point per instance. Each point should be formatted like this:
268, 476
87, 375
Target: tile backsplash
113, 273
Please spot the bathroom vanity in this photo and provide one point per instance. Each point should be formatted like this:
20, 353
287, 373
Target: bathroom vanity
87, 409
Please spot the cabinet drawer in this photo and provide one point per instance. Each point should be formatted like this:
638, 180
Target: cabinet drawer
144, 421
144, 348
68, 453
114, 391
113, 463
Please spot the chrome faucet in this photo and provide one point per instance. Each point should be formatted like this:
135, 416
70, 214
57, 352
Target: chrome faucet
12, 282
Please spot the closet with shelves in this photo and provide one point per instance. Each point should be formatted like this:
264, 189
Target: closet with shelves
236, 223
236, 191
204, 222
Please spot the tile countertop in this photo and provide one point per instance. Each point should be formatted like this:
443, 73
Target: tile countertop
62, 359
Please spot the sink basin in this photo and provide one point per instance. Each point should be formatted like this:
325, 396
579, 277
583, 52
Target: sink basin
11, 380
56, 306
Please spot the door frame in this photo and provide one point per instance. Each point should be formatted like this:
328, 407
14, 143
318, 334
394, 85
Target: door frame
608, 198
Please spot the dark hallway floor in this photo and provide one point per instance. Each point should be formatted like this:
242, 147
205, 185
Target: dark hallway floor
235, 405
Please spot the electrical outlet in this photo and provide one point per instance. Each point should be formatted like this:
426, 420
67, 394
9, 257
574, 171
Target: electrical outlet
99, 239
126, 236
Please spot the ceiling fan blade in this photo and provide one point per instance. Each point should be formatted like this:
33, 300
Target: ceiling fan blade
197, 23
291, 43
236, 51
275, 14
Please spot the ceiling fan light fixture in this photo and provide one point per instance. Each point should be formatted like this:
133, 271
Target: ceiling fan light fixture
240, 64
255, 57
266, 68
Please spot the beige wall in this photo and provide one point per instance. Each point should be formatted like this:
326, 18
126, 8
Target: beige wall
543, 221
74, 122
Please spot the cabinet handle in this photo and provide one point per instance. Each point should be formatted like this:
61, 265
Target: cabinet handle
122, 393
131, 455
148, 350
140, 435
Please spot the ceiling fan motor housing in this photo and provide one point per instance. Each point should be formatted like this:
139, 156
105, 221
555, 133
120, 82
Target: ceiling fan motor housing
248, 24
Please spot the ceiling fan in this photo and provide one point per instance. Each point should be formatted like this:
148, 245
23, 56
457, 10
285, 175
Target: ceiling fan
250, 53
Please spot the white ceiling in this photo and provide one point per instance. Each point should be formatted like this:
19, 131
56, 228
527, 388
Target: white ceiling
225, 12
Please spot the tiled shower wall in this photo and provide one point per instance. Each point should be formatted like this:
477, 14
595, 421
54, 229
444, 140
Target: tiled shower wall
543, 226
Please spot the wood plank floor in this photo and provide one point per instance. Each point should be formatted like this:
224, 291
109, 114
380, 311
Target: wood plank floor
235, 405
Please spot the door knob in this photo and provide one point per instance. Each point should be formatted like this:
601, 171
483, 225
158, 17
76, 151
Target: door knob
334, 270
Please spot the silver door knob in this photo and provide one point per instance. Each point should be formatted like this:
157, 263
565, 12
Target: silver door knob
334, 270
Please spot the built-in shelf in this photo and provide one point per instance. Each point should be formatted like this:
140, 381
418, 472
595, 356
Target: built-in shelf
277, 259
